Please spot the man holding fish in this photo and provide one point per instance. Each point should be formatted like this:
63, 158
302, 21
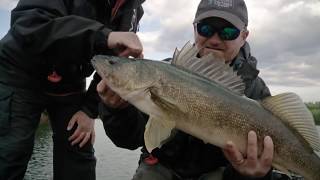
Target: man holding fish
172, 148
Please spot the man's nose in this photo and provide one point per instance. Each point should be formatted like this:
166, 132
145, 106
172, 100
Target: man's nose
215, 38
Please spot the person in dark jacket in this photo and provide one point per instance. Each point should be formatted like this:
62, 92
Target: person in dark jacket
221, 28
44, 61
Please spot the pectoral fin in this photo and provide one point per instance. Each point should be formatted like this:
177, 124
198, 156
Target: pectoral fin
157, 132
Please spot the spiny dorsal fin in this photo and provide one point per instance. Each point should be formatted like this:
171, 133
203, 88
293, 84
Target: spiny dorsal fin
185, 54
293, 112
208, 66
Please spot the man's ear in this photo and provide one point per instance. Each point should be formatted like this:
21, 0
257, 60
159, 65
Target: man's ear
245, 35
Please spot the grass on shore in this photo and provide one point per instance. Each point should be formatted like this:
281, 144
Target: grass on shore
315, 110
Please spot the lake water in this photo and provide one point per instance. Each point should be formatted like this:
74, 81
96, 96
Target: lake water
112, 162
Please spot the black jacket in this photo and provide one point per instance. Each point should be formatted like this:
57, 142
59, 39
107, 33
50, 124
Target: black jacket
186, 155
61, 36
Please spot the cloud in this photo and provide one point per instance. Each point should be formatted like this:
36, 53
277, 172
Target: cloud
285, 40
8, 4
174, 25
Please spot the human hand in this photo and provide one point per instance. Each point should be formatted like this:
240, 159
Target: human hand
110, 98
84, 131
126, 43
252, 165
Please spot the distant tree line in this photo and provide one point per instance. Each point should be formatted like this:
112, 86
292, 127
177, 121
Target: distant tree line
315, 110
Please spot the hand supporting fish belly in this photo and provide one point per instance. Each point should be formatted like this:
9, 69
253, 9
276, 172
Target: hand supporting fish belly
205, 98
251, 165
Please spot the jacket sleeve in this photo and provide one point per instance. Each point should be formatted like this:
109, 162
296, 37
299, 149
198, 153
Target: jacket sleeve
92, 99
45, 28
255, 87
259, 89
125, 127
90, 105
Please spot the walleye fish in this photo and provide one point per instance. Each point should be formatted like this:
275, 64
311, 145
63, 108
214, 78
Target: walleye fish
204, 97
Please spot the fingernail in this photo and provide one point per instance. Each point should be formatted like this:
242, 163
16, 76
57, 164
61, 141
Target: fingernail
229, 144
68, 128
267, 138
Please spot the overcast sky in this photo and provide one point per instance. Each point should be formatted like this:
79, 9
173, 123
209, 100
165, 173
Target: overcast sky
284, 37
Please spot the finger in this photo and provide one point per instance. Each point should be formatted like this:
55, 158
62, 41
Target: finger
101, 87
84, 140
252, 148
93, 137
124, 105
141, 56
120, 102
135, 46
108, 97
110, 102
267, 154
109, 91
233, 155
71, 123
130, 52
78, 139
125, 53
114, 99
74, 135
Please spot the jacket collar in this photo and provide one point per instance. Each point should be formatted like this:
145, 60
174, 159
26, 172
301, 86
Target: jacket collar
245, 63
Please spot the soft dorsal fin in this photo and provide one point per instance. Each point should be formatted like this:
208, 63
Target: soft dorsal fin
293, 112
208, 66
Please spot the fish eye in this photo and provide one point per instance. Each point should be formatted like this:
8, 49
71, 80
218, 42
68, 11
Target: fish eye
112, 62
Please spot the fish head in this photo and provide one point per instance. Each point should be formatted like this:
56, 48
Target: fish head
123, 75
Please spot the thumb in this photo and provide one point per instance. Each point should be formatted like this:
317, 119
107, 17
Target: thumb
125, 53
134, 52
141, 56
72, 122
228, 150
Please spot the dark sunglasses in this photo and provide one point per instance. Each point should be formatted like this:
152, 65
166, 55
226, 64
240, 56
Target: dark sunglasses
226, 33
